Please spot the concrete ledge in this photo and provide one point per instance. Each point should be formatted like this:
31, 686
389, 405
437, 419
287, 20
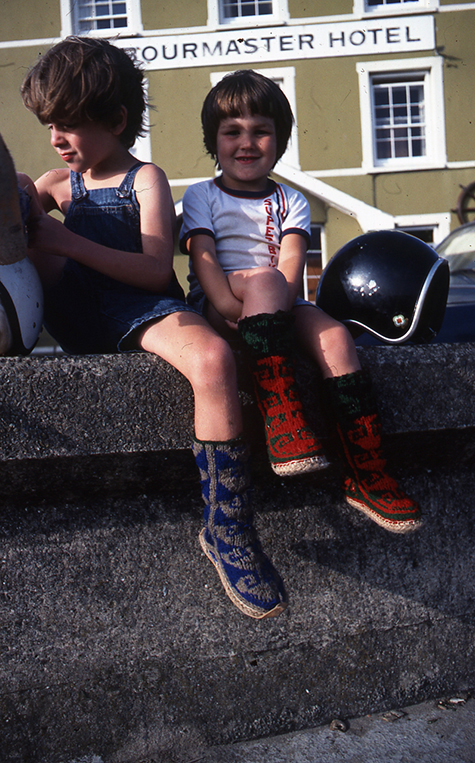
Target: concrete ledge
117, 640
77, 406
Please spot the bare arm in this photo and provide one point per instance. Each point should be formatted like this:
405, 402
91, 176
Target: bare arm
26, 183
292, 262
212, 278
150, 269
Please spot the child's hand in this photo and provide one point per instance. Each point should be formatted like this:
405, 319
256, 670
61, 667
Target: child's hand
220, 322
47, 234
229, 306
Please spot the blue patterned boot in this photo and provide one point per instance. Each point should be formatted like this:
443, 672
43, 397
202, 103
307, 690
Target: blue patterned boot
228, 538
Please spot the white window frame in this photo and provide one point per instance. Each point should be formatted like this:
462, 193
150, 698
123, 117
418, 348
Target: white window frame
286, 75
305, 274
361, 8
279, 15
432, 68
439, 222
134, 22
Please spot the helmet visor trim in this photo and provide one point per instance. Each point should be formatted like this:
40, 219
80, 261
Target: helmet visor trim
416, 314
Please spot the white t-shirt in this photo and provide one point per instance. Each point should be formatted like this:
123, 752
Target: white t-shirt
247, 227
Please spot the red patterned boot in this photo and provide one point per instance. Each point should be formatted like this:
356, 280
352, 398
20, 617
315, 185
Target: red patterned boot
367, 486
291, 445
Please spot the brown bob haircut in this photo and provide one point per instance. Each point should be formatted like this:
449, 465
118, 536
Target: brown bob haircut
246, 91
82, 79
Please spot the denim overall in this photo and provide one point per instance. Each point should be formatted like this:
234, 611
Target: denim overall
88, 312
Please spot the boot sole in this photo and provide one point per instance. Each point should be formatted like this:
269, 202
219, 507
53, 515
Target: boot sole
304, 466
395, 526
243, 606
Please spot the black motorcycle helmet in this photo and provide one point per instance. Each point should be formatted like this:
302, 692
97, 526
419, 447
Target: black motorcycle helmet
388, 283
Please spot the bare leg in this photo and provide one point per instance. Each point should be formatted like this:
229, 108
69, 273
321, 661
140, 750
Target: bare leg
327, 341
189, 344
367, 486
228, 538
261, 290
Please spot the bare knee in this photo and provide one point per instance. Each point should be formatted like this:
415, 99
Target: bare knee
266, 278
261, 290
336, 335
338, 351
214, 368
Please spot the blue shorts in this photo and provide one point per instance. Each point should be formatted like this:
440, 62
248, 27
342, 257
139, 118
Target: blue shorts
89, 313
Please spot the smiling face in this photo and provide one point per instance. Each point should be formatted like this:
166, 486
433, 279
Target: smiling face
246, 151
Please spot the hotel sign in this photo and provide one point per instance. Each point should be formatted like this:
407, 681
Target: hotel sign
283, 43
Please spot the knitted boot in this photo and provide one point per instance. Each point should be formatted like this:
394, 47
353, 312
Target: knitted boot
367, 486
228, 538
291, 445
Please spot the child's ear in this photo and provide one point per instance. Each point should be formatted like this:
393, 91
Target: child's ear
121, 122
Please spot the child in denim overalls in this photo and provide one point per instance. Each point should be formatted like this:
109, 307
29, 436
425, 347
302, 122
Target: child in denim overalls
109, 283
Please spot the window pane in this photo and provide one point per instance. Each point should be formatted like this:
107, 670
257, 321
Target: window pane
232, 9
398, 118
400, 115
247, 9
399, 95
383, 146
425, 234
381, 96
372, 3
99, 14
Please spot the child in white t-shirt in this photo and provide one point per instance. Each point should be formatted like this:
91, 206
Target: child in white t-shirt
247, 237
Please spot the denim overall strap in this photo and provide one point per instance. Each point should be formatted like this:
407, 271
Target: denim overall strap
124, 191
78, 190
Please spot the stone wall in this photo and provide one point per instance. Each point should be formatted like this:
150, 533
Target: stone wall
117, 643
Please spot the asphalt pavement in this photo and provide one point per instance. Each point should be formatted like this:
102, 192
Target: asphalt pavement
441, 731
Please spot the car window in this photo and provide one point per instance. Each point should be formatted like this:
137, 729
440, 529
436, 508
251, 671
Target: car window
459, 248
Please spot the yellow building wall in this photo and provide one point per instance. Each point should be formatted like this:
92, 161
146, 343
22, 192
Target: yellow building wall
160, 14
326, 94
456, 46
177, 143
340, 228
27, 140
310, 8
29, 19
